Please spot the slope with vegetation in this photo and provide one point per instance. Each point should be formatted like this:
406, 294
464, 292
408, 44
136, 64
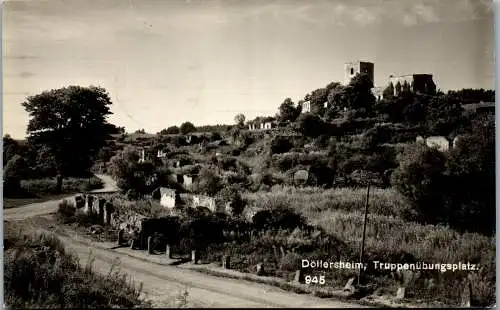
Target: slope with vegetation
300, 187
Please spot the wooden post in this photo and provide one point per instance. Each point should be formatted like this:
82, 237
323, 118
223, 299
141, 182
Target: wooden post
167, 252
120, 237
150, 245
226, 262
364, 233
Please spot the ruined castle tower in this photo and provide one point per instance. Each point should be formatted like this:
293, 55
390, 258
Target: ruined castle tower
353, 68
417, 83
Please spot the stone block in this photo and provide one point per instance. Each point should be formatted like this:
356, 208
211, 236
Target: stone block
350, 285
299, 276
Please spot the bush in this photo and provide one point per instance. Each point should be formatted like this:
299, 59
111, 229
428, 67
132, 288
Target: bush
14, 171
278, 219
420, 178
280, 145
208, 182
231, 194
65, 210
311, 125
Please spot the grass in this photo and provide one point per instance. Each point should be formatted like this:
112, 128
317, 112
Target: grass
392, 237
40, 190
311, 200
40, 273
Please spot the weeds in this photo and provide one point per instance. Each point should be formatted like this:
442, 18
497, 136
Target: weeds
39, 273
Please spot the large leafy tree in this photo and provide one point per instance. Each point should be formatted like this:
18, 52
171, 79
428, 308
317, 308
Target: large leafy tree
288, 112
187, 127
359, 95
72, 123
240, 120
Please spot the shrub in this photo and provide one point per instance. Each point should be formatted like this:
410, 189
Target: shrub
208, 182
14, 171
231, 194
65, 209
280, 145
311, 125
278, 219
419, 177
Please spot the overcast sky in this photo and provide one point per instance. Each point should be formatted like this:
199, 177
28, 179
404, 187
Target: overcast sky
167, 61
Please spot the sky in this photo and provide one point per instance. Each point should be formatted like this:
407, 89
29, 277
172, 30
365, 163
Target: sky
164, 62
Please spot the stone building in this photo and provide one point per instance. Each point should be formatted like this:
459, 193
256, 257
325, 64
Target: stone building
417, 83
358, 67
306, 107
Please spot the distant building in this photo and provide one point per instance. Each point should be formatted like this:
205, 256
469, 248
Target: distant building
416, 83
142, 155
267, 125
351, 69
262, 123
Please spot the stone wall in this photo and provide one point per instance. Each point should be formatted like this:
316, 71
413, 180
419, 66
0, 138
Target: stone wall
422, 83
204, 201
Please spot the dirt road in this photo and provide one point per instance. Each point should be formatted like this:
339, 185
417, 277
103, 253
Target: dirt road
163, 283
50, 206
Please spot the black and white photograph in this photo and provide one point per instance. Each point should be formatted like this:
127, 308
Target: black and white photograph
248, 154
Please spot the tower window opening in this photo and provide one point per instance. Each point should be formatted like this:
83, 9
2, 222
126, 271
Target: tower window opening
352, 71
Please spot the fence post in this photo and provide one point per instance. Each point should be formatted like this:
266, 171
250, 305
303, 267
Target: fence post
150, 245
364, 233
120, 237
167, 252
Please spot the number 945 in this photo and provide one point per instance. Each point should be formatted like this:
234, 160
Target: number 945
315, 279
